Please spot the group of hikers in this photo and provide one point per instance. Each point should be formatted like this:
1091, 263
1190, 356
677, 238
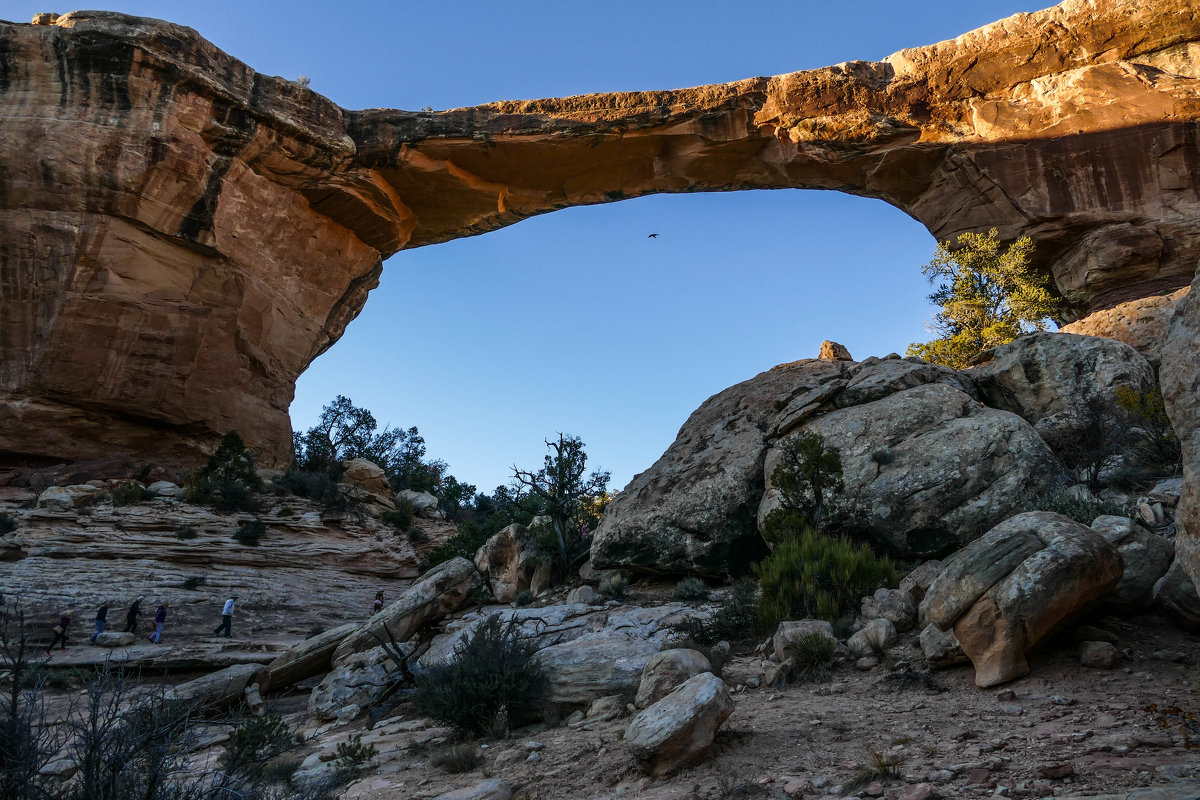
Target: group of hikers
131, 622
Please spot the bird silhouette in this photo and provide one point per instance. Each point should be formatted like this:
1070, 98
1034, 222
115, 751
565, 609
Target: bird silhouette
652, 236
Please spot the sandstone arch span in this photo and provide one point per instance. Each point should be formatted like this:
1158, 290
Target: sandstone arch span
185, 235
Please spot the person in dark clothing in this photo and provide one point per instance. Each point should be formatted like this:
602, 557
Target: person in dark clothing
132, 614
60, 633
160, 618
101, 618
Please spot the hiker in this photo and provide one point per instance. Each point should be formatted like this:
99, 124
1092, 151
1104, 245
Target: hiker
377, 606
160, 616
101, 618
226, 617
132, 614
60, 632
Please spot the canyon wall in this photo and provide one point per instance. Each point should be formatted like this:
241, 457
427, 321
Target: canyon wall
182, 236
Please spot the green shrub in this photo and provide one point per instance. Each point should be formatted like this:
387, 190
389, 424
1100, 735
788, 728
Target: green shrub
613, 588
249, 533
400, 519
228, 481
351, 756
186, 532
817, 576
256, 740
465, 543
127, 493
493, 670
194, 582
812, 656
807, 474
418, 536
1083, 511
286, 511
457, 758
321, 486
8, 524
735, 619
691, 588
523, 599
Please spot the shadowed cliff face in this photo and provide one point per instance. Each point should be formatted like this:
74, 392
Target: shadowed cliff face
182, 236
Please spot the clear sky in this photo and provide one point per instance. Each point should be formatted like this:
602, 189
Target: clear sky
576, 321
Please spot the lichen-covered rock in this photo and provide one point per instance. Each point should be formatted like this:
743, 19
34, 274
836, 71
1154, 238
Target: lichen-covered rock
895, 605
438, 592
927, 469
679, 729
1010, 589
667, 670
693, 511
1146, 557
1050, 378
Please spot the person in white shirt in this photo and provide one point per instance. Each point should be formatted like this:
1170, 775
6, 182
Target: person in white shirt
226, 617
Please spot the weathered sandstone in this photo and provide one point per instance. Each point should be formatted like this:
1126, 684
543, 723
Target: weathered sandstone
192, 234
1142, 323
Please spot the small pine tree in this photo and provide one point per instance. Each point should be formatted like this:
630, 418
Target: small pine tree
989, 296
807, 473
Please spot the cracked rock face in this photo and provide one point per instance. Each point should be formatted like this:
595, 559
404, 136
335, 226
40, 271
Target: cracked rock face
191, 234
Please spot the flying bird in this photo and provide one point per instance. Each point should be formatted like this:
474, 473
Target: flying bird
652, 236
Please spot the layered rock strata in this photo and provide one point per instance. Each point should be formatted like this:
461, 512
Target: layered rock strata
190, 234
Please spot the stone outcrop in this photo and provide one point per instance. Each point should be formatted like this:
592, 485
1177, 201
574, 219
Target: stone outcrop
693, 511
1010, 589
509, 564
1142, 323
312, 657
667, 670
192, 234
927, 469
1050, 379
1180, 378
1146, 556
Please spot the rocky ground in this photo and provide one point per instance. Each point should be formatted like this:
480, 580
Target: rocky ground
1063, 730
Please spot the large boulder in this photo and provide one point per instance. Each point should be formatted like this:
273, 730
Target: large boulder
667, 670
423, 504
927, 469
1176, 595
221, 688
678, 731
510, 564
595, 665
1050, 379
1006, 592
354, 685
438, 592
1145, 555
313, 656
366, 481
693, 511
789, 632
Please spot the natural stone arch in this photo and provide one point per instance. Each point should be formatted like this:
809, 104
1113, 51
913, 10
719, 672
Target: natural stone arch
192, 234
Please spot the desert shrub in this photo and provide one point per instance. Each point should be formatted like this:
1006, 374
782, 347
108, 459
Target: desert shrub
286, 511
812, 657
807, 474
1096, 444
350, 756
417, 536
613, 588
257, 740
319, 485
735, 618
281, 770
492, 671
523, 599
228, 481
127, 493
1154, 442
249, 533
8, 524
194, 582
817, 576
1081, 510
457, 758
401, 518
883, 456
465, 543
878, 767
691, 588
186, 532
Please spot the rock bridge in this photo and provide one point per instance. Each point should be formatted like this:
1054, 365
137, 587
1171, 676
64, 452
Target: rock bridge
182, 236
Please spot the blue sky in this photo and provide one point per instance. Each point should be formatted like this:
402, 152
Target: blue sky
576, 321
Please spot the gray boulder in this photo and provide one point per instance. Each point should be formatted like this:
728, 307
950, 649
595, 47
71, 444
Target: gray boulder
927, 469
678, 731
1146, 557
1049, 378
693, 511
791, 631
509, 565
595, 665
1176, 595
667, 670
354, 685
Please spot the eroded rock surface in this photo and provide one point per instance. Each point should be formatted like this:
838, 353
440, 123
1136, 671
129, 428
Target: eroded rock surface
1142, 323
192, 234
